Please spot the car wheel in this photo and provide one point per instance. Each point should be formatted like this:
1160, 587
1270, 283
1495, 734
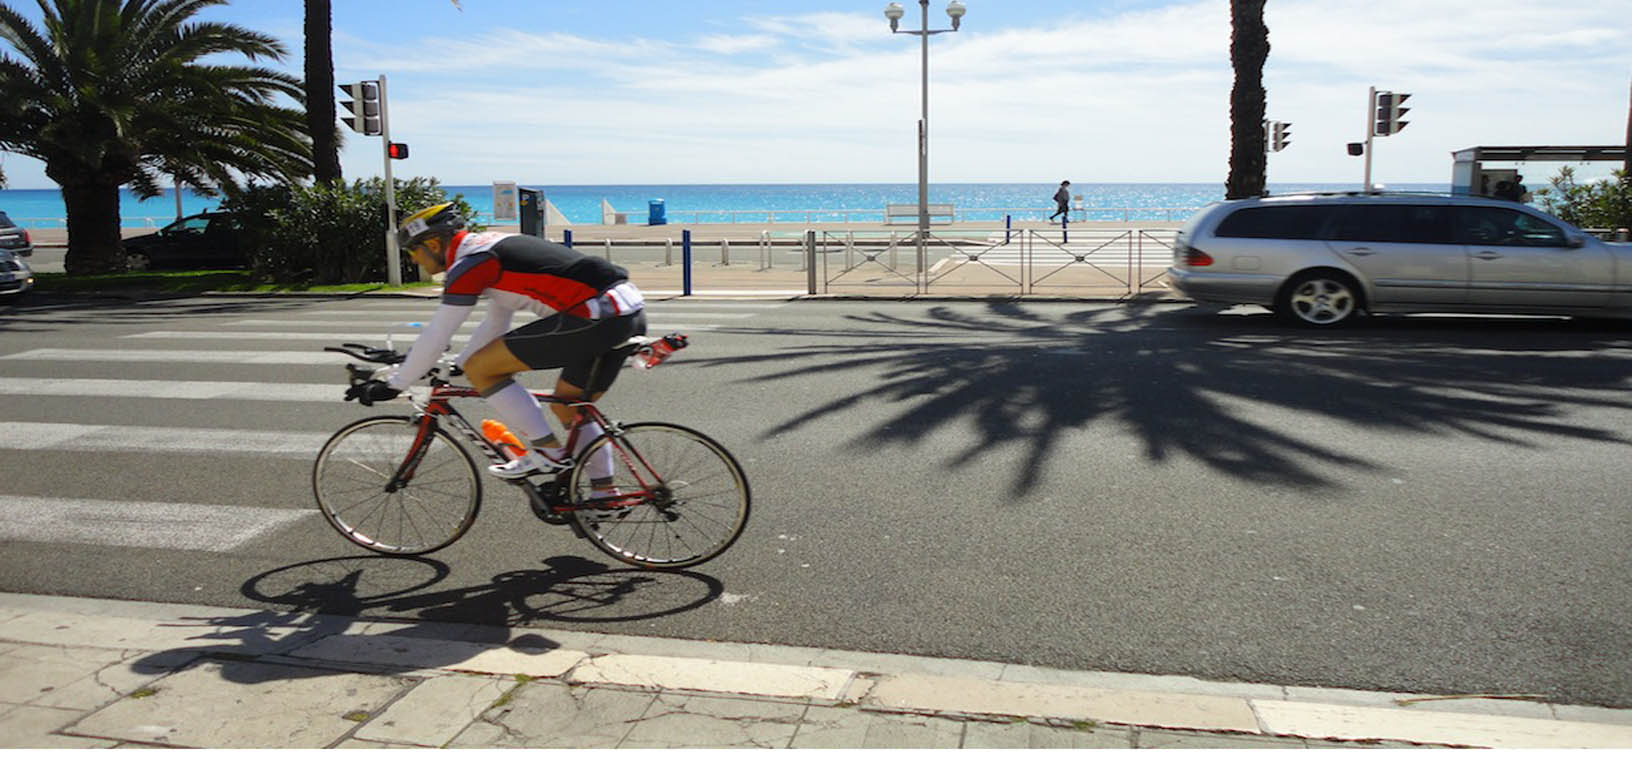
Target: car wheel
137, 261
1322, 300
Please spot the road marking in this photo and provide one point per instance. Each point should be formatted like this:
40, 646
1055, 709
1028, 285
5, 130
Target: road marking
199, 527
331, 338
270, 357
171, 389
376, 324
66, 436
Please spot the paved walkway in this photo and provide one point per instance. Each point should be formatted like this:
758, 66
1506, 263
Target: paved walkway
84, 673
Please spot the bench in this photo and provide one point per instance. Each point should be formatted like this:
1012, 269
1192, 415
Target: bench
910, 212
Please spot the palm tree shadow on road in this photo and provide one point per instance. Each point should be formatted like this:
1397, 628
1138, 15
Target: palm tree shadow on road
1219, 389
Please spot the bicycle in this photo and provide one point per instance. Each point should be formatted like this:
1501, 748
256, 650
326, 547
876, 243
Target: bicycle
401, 485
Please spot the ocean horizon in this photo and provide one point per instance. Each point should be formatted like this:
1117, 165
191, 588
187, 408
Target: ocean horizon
751, 202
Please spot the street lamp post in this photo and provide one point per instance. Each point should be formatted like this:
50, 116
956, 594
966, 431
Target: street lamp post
894, 12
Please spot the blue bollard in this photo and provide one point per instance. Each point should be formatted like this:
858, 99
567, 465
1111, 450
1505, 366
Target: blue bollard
685, 263
1008, 222
566, 237
1065, 232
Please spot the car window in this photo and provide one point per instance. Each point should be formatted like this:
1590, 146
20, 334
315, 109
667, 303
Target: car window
187, 225
1506, 227
1367, 222
5, 222
1279, 222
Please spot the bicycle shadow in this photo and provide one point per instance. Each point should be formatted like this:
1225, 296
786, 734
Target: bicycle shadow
321, 600
1221, 390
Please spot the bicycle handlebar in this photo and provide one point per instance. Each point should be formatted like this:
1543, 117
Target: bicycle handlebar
366, 353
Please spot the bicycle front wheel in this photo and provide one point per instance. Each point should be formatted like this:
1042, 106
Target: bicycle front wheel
679, 497
367, 494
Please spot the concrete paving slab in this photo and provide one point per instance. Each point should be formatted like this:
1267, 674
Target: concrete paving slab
436, 711
1200, 712
1028, 735
553, 715
369, 745
826, 727
232, 704
31, 672
1592, 714
714, 676
251, 635
406, 652
1458, 704
689, 721
34, 727
1311, 720
1140, 682
879, 663
1150, 739
110, 683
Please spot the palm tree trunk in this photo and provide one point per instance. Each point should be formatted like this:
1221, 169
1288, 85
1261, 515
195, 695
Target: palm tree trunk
94, 244
320, 92
1249, 49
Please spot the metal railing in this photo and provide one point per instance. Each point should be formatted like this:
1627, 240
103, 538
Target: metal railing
963, 215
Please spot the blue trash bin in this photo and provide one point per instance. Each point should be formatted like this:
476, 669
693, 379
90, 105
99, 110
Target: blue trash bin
655, 213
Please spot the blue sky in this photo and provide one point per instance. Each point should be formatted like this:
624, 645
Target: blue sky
737, 91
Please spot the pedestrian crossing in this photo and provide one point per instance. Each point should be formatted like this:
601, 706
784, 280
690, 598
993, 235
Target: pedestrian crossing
70, 394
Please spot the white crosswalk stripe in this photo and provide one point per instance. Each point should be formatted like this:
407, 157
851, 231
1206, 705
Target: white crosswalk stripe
330, 338
67, 436
151, 525
171, 389
262, 358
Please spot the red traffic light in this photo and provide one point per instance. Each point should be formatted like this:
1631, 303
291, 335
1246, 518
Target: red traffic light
397, 151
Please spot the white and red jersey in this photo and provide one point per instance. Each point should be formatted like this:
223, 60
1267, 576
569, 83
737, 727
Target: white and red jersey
516, 273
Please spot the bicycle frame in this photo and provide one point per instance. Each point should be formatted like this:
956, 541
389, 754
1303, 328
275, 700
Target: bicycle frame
438, 407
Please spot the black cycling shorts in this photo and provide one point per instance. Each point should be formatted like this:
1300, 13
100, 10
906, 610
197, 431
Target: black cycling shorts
581, 348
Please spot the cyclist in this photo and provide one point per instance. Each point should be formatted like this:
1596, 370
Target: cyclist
588, 309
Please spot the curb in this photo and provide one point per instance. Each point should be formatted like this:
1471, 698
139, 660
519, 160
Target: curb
181, 636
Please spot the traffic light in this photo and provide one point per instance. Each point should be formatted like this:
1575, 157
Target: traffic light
1280, 135
364, 106
1389, 112
397, 151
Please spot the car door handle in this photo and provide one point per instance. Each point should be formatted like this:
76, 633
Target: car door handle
1487, 255
1362, 251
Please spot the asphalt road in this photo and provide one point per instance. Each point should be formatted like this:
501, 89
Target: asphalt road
1427, 505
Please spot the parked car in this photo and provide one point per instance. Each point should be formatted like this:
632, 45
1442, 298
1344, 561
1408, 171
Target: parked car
1324, 259
205, 240
14, 238
15, 275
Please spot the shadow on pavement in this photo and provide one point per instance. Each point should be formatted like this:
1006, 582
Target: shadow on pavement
316, 599
1216, 388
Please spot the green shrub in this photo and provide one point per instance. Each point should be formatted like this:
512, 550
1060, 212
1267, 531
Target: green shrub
1604, 204
328, 234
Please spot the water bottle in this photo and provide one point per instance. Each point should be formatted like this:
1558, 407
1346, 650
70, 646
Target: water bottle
508, 444
655, 353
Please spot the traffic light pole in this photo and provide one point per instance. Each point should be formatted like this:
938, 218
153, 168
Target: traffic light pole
1371, 131
393, 261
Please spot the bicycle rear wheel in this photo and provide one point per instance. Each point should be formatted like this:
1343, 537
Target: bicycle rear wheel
353, 481
682, 498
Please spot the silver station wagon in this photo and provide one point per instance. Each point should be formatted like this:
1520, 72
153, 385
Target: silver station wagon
1324, 259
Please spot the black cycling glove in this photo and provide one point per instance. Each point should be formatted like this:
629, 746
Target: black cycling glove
367, 393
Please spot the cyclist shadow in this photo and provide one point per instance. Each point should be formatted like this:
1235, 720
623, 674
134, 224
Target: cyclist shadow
362, 610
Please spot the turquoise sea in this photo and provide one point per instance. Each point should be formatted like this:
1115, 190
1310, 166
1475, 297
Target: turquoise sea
813, 202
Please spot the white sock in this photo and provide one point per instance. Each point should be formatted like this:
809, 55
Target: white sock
521, 411
600, 462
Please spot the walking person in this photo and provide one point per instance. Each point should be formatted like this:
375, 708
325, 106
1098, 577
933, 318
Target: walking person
1062, 198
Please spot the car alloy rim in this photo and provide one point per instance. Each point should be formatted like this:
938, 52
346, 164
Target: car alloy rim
1323, 301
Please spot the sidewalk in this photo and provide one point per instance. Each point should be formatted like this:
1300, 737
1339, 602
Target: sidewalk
85, 673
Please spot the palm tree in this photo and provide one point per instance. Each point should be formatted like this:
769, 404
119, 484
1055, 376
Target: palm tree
320, 109
1249, 49
117, 92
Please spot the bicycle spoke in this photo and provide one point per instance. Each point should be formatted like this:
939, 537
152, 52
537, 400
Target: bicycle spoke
356, 482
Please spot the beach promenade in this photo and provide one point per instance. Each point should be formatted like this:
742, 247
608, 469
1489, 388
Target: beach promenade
969, 260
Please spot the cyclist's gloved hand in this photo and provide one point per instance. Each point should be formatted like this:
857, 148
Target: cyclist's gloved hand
367, 393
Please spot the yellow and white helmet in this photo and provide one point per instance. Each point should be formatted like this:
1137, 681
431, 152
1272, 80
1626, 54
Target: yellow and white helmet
435, 220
